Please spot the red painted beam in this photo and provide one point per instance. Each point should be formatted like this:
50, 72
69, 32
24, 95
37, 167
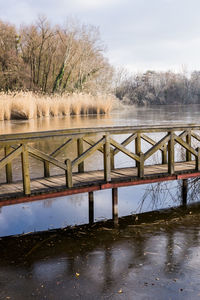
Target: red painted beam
111, 185
188, 175
66, 192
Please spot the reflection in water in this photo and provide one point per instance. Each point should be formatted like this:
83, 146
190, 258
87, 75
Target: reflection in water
48, 123
131, 262
124, 117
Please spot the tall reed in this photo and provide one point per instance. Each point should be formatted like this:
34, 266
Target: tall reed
27, 105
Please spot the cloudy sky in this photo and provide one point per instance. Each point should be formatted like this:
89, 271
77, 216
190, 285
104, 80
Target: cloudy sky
139, 34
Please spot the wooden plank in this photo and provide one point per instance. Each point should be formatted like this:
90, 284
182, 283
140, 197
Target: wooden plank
127, 141
4, 161
88, 153
124, 150
92, 143
185, 145
163, 149
195, 135
9, 139
55, 153
148, 139
156, 147
46, 157
62, 147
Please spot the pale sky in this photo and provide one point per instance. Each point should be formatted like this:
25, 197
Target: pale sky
139, 35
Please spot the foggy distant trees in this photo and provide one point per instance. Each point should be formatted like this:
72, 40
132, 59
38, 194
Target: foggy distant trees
45, 58
160, 88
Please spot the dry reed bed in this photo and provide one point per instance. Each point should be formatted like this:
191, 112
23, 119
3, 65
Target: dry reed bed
27, 105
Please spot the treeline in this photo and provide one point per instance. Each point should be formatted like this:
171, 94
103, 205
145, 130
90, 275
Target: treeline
47, 59
160, 88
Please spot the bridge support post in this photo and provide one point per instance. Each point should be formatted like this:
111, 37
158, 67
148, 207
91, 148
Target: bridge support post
25, 170
171, 154
115, 206
184, 191
91, 207
107, 164
8, 150
79, 152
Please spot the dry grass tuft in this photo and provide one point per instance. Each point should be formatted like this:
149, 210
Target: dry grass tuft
27, 105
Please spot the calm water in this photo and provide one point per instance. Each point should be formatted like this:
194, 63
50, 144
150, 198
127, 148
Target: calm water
148, 261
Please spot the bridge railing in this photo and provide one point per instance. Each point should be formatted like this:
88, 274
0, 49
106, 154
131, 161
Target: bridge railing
15, 145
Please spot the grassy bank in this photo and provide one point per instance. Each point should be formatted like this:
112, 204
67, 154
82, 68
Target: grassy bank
27, 105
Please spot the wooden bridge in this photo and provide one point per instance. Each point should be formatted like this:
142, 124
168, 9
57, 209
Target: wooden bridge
178, 158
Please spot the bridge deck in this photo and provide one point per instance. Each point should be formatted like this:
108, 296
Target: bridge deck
55, 186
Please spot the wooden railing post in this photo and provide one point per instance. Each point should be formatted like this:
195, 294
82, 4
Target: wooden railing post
8, 150
198, 159
141, 165
68, 173
164, 155
188, 141
107, 164
171, 154
138, 146
112, 160
79, 152
25, 170
46, 169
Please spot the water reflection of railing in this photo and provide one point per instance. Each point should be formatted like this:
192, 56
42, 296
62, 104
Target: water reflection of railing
104, 141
